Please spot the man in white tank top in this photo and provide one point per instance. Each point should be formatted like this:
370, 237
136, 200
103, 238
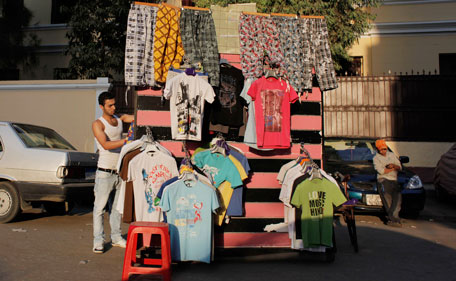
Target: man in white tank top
108, 137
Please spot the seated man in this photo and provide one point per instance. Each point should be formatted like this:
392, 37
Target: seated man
387, 164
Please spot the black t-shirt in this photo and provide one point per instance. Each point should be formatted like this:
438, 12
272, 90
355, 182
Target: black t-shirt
227, 109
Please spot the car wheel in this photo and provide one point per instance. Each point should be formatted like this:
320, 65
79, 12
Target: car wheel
58, 208
9, 202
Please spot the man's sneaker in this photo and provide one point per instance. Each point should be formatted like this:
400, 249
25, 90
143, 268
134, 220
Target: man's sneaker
98, 249
122, 243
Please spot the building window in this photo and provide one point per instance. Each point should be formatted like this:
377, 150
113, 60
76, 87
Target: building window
447, 64
355, 68
58, 13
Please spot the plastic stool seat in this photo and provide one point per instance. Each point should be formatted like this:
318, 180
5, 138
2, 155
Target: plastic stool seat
131, 261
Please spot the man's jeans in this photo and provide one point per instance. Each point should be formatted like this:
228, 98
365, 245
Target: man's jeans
391, 198
107, 188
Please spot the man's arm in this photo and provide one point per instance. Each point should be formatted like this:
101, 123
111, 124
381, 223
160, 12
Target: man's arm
381, 170
127, 118
97, 129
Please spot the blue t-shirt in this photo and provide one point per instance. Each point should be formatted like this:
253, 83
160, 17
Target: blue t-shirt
219, 167
235, 206
189, 211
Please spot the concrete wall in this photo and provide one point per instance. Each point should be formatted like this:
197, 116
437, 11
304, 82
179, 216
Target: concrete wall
422, 154
67, 106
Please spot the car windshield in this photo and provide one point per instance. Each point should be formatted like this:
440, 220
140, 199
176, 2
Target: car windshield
349, 151
40, 137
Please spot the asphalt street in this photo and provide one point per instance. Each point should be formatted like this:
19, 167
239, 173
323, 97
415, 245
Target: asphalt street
41, 247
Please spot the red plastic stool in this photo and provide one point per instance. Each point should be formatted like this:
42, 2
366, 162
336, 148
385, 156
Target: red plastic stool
131, 261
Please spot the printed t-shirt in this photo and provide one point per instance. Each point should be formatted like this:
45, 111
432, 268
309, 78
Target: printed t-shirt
148, 171
250, 137
219, 167
227, 109
189, 212
272, 99
316, 198
187, 95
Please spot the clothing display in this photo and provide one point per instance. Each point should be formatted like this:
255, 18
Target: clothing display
305, 45
272, 99
260, 44
189, 206
228, 107
316, 198
200, 42
139, 47
294, 45
292, 175
187, 96
148, 171
176, 49
168, 49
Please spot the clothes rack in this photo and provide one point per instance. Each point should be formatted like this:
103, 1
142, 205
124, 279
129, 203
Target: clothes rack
282, 15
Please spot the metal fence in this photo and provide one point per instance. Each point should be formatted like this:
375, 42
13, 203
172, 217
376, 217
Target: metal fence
405, 107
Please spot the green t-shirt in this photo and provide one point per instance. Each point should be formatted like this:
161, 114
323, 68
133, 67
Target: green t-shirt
316, 198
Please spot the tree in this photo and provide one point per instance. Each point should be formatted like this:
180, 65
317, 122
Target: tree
347, 20
97, 38
16, 47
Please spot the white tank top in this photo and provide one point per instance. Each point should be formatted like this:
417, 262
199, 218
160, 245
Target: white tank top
108, 158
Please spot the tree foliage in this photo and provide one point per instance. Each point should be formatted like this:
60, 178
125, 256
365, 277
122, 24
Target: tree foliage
347, 20
96, 38
16, 45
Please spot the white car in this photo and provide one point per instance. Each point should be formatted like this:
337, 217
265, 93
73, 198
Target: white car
38, 166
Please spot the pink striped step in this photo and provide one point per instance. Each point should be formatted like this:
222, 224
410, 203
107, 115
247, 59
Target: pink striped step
163, 119
246, 240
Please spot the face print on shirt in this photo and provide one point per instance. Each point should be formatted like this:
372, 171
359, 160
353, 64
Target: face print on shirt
272, 109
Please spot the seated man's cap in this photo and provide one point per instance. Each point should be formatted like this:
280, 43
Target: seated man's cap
380, 144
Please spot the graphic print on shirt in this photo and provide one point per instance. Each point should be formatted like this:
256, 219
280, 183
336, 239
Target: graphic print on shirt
316, 204
210, 171
272, 109
227, 93
188, 111
188, 212
153, 180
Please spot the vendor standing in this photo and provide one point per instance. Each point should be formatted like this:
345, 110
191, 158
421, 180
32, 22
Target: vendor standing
108, 136
387, 165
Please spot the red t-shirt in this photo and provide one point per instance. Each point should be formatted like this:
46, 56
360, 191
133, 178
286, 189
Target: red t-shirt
272, 99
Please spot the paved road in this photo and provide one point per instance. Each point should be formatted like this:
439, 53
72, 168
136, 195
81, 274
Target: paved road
42, 247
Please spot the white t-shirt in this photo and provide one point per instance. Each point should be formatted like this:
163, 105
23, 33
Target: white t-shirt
148, 171
187, 95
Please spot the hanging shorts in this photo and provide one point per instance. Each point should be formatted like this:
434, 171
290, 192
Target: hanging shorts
168, 50
317, 54
260, 44
139, 65
200, 42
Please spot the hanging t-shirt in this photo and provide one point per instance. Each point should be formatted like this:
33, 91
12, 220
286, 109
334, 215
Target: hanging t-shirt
272, 99
187, 95
219, 167
227, 109
235, 206
189, 212
316, 198
148, 171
